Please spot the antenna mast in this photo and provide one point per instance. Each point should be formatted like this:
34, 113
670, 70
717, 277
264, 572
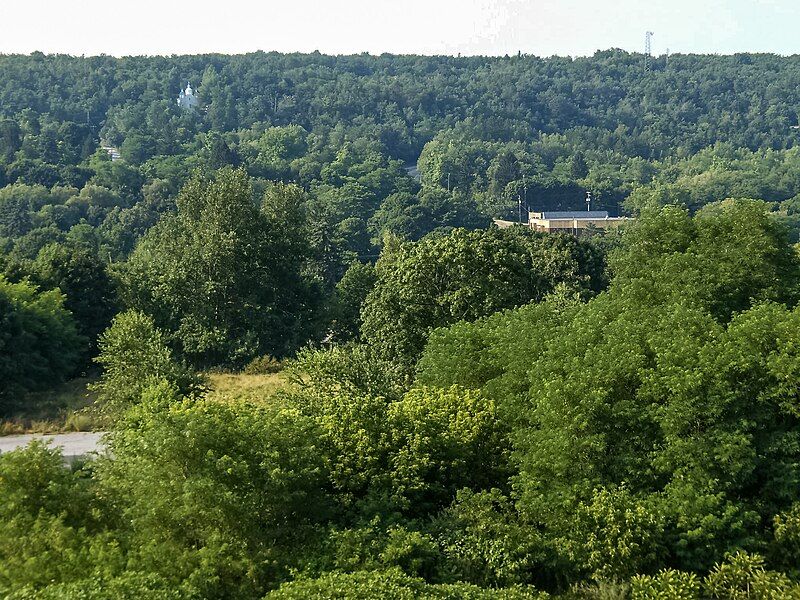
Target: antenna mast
647, 55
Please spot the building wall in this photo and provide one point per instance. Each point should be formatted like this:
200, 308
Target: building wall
574, 226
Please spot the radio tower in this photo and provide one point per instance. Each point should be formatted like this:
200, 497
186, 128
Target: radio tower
647, 37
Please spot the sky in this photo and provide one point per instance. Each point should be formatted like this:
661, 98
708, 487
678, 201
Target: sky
469, 27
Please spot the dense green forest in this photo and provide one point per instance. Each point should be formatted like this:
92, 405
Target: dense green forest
472, 412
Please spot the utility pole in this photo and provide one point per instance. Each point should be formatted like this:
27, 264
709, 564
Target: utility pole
519, 204
525, 192
588, 201
647, 55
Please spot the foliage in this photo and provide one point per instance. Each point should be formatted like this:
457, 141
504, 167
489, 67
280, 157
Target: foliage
135, 356
786, 547
667, 584
39, 342
263, 365
743, 576
351, 292
215, 495
478, 412
444, 441
391, 584
89, 293
493, 353
222, 277
46, 515
410, 454
463, 276
651, 386
485, 541
130, 586
349, 369
372, 547
614, 535
684, 251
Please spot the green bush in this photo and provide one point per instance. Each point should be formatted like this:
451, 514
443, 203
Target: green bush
217, 497
485, 541
368, 585
39, 343
668, 584
743, 575
412, 454
263, 365
129, 586
348, 369
51, 528
786, 547
615, 535
134, 355
372, 547
443, 441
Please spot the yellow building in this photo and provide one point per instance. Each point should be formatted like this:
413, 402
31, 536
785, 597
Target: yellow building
575, 222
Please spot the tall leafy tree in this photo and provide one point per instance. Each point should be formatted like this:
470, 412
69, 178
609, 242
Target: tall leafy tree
669, 395
81, 276
223, 277
462, 276
39, 343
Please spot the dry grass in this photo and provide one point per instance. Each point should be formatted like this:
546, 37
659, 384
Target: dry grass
64, 408
242, 386
68, 407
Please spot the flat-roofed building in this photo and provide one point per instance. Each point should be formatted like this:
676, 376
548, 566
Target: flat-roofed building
575, 222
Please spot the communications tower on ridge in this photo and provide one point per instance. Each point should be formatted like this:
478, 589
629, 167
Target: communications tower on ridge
647, 55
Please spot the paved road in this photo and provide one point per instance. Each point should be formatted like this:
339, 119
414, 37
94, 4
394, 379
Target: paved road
72, 444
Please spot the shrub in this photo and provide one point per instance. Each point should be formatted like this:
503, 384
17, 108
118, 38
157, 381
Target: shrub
615, 535
392, 583
128, 586
46, 511
134, 355
216, 496
79, 421
373, 547
443, 441
39, 342
668, 584
743, 575
263, 365
484, 541
351, 369
787, 539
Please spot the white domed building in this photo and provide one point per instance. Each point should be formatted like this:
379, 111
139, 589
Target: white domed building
187, 99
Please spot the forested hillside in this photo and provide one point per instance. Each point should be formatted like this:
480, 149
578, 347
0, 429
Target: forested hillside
468, 411
488, 135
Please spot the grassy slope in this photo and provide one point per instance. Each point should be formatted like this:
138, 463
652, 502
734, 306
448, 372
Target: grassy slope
59, 409
241, 386
68, 407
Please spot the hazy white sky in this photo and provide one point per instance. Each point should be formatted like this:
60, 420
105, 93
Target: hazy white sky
566, 27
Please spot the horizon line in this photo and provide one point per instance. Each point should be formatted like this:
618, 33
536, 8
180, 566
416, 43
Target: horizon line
317, 52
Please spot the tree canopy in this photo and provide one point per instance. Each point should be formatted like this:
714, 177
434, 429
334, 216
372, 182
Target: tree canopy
464, 275
465, 411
